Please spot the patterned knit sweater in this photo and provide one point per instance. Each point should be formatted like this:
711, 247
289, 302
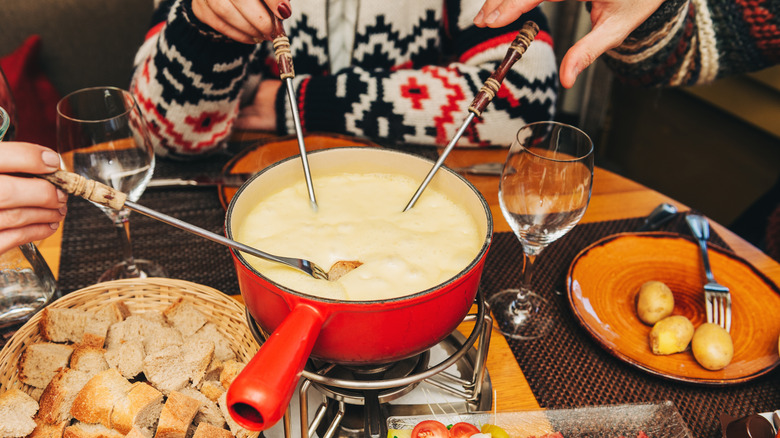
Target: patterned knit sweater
416, 66
689, 42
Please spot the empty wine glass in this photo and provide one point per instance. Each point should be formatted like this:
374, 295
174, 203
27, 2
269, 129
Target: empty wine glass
102, 135
544, 190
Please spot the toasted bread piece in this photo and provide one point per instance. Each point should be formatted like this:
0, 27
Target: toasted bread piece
59, 324
206, 430
57, 399
138, 433
88, 359
17, 410
176, 416
140, 408
229, 372
40, 361
185, 317
96, 400
212, 389
208, 410
127, 357
86, 430
46, 430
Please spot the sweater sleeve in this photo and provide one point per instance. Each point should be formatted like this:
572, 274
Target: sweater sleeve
426, 103
188, 81
690, 42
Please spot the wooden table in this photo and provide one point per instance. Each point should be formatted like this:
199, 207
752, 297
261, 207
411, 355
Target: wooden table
614, 197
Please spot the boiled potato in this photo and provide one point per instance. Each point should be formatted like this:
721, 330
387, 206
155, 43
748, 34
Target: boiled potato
712, 346
671, 335
654, 302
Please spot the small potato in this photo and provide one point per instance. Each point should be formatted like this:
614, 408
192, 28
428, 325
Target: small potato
671, 335
712, 346
654, 302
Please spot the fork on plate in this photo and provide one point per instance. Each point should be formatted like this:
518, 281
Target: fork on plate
717, 298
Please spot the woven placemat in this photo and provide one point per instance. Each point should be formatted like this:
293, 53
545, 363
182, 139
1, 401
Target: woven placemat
567, 368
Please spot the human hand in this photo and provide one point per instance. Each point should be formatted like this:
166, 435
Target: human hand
611, 22
261, 114
30, 208
246, 21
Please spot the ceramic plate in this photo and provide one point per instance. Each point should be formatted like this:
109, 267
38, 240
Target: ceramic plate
266, 152
604, 278
657, 420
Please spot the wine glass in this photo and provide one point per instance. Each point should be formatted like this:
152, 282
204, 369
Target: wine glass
544, 190
102, 135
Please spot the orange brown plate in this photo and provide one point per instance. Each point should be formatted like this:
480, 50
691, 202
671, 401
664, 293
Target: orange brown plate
604, 278
271, 150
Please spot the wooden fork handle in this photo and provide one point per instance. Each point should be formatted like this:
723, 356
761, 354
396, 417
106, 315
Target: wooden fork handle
88, 189
281, 45
516, 50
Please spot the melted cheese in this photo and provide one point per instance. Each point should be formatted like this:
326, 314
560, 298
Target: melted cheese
360, 217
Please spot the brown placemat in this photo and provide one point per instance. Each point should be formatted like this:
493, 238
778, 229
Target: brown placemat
567, 368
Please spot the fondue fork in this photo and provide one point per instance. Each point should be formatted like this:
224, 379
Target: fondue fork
488, 91
102, 194
287, 73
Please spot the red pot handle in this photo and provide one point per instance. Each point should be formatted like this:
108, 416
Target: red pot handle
260, 394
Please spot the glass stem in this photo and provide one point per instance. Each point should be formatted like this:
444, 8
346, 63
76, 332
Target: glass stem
528, 267
122, 226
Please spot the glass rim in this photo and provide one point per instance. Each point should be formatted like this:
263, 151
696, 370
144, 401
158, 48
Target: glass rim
5, 122
70, 95
581, 157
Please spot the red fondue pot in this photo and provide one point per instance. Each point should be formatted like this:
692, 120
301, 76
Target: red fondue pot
342, 332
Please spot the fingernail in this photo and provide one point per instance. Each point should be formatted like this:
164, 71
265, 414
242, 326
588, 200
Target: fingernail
51, 159
63, 210
492, 17
284, 10
480, 16
61, 196
54, 225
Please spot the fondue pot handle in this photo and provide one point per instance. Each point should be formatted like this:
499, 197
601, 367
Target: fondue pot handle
260, 394
516, 50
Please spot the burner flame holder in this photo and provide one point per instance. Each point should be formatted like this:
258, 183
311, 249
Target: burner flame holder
469, 389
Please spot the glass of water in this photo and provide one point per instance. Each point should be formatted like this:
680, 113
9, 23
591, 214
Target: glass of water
26, 281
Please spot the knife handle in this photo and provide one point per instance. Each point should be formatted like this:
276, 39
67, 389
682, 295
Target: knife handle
516, 50
88, 189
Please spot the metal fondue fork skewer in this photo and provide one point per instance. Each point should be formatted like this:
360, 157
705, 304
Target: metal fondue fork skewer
287, 73
102, 194
488, 91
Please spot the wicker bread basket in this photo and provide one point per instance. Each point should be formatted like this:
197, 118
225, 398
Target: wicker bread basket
152, 294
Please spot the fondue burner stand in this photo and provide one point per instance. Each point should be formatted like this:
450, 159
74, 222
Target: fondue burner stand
357, 400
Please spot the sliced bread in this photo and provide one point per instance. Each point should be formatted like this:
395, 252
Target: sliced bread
40, 361
96, 400
212, 389
57, 399
185, 317
208, 411
198, 355
140, 408
17, 410
86, 430
59, 324
222, 348
206, 430
127, 357
46, 430
88, 359
176, 416
166, 369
